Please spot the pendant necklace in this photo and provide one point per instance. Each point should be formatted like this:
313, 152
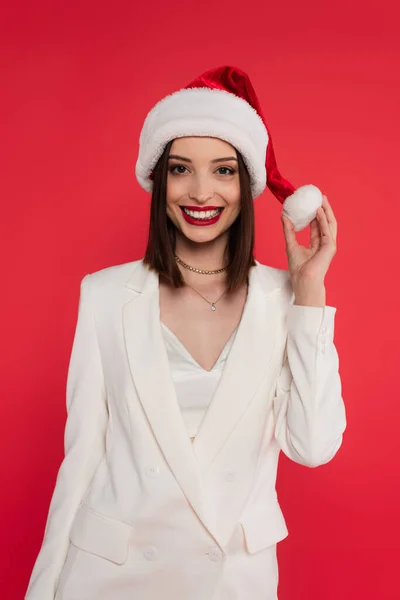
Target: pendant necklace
213, 307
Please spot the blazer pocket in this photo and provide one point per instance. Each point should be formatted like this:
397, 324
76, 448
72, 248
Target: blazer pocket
100, 535
263, 526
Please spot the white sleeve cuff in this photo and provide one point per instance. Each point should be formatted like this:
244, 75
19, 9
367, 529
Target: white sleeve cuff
311, 318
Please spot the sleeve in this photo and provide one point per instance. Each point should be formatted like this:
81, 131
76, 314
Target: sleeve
84, 444
309, 411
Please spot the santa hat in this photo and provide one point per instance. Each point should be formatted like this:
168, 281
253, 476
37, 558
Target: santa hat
222, 103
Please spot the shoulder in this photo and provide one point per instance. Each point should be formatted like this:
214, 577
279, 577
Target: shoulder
266, 271
272, 277
111, 277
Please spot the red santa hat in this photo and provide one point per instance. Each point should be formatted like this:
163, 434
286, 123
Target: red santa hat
222, 103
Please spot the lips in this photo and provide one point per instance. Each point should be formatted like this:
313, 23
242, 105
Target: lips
201, 208
204, 215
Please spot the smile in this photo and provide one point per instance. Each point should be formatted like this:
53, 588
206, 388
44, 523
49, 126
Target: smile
201, 216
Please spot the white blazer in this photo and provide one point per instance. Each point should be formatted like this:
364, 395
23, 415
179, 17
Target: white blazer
138, 511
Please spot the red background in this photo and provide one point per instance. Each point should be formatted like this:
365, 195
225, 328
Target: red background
77, 82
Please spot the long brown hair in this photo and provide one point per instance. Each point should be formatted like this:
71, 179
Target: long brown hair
159, 254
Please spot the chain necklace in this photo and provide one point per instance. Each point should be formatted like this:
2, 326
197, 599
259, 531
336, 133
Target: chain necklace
213, 307
200, 271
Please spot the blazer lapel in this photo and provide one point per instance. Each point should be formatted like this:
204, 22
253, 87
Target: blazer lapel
150, 371
244, 369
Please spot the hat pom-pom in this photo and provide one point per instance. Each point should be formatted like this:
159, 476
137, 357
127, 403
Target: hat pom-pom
301, 206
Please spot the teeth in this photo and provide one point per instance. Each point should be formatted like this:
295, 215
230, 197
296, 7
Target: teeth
204, 214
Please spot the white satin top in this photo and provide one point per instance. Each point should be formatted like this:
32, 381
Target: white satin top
194, 385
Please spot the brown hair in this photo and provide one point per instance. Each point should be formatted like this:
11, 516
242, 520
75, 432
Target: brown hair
159, 254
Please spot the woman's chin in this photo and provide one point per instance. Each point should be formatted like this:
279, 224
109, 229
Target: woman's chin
200, 235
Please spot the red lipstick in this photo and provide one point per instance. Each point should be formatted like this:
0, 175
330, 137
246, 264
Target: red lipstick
201, 222
201, 208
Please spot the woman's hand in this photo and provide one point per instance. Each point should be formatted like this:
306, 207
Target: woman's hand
308, 266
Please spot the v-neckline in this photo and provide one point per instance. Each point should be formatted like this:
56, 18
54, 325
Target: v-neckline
183, 348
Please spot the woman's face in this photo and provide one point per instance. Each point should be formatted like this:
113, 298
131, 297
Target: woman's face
203, 187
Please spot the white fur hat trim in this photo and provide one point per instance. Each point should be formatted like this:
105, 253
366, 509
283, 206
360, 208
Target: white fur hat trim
204, 112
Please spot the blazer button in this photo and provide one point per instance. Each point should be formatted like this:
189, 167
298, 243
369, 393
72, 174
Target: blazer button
150, 552
153, 471
214, 554
229, 474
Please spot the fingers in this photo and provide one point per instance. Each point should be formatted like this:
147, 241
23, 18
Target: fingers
323, 223
327, 239
288, 229
315, 235
329, 216
328, 209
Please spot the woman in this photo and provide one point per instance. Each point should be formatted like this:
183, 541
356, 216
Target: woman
191, 369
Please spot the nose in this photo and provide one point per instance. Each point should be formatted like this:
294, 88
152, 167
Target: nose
201, 192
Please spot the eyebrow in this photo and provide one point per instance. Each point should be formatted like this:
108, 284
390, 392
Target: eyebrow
215, 160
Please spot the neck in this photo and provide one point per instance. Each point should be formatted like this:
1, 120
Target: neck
207, 256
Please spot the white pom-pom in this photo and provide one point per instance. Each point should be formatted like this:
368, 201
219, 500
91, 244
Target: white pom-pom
301, 207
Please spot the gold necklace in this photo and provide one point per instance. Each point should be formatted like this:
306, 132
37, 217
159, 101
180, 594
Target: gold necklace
213, 307
200, 271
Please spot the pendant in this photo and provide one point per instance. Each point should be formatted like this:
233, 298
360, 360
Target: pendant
213, 307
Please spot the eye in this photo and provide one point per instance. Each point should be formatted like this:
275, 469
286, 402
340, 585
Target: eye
229, 169
180, 169
172, 169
